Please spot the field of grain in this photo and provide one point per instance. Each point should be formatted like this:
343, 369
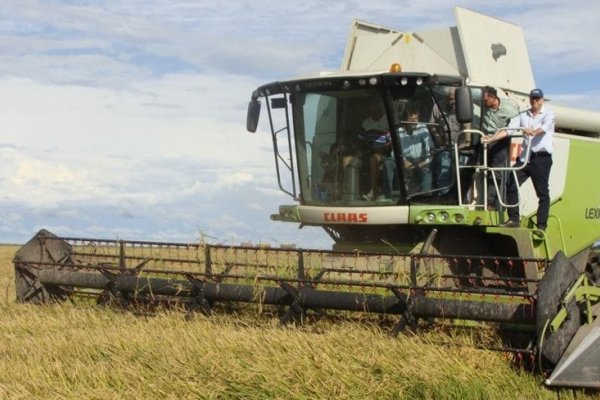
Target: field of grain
73, 352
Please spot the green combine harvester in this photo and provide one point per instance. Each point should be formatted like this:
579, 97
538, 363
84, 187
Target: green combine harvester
424, 245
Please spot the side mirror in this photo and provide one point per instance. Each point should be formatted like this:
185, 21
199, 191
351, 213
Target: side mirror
464, 105
253, 114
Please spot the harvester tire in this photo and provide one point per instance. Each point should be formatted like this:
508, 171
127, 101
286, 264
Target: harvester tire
554, 344
559, 276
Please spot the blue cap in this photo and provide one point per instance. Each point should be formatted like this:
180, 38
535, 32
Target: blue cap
536, 93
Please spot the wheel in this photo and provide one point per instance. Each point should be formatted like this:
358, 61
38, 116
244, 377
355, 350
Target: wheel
558, 278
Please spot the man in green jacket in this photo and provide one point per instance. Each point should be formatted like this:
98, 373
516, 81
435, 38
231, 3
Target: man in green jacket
497, 115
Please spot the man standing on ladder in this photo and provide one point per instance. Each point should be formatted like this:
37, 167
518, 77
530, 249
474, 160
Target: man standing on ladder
498, 113
538, 124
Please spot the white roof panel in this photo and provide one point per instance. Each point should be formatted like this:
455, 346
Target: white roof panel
495, 51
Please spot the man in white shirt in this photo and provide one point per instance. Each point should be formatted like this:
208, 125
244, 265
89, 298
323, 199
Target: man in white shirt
538, 124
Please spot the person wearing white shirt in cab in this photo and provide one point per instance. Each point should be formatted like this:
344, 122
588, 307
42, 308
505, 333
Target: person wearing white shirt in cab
538, 127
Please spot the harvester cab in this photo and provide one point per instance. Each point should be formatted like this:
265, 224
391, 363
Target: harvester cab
389, 148
366, 152
386, 155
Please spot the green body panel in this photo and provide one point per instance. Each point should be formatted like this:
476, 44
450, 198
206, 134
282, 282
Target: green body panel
531, 243
574, 222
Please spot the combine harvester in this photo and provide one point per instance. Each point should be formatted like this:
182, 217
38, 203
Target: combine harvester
428, 249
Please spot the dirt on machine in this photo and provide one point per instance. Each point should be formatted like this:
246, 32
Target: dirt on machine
412, 240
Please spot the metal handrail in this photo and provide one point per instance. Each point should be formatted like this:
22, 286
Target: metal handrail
485, 168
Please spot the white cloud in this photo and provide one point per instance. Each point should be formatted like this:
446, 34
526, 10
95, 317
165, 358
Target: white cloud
199, 117
257, 38
35, 172
234, 179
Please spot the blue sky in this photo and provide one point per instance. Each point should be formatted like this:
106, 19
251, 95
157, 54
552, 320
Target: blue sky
127, 118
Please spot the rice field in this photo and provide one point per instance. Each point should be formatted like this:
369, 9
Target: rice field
72, 352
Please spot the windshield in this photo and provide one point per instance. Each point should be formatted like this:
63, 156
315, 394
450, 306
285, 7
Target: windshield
348, 155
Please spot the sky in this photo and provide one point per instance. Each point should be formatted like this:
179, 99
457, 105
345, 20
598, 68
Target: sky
126, 119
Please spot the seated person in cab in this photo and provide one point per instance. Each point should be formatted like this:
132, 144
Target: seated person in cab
445, 132
416, 143
374, 144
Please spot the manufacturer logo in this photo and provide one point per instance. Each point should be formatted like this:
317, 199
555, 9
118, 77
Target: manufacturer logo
345, 217
592, 213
